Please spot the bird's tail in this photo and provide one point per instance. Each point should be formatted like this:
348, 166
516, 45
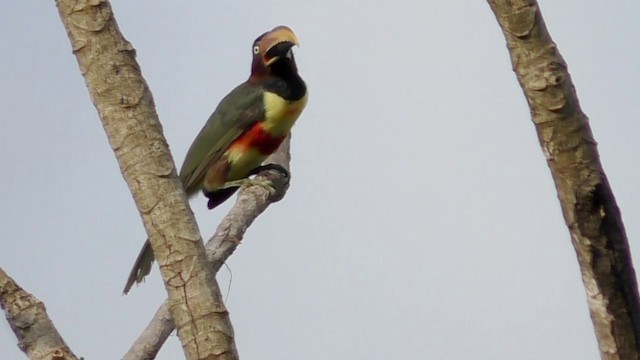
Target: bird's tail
219, 196
141, 268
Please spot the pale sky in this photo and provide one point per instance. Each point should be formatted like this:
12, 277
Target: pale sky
422, 221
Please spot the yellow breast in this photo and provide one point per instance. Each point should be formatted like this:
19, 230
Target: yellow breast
281, 114
243, 160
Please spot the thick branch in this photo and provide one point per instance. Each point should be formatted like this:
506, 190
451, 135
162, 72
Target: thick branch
588, 205
37, 336
250, 204
127, 111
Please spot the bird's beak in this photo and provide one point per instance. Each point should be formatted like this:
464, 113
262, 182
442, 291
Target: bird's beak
277, 44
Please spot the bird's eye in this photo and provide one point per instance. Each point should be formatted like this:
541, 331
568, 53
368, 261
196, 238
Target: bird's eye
256, 49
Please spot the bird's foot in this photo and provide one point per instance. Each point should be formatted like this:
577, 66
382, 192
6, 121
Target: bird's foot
276, 167
267, 184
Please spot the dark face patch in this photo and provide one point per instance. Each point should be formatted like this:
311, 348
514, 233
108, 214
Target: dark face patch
256, 45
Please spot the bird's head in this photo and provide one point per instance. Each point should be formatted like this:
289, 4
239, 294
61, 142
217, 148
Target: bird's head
272, 48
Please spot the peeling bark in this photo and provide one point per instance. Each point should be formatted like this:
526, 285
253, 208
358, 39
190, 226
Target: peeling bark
588, 205
27, 316
126, 109
251, 202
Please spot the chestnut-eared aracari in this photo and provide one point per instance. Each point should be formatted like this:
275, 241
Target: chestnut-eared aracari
248, 125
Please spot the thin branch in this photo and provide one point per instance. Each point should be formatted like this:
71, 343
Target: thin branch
588, 205
37, 336
251, 202
127, 111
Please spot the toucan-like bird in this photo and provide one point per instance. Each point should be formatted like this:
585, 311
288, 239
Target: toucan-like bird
248, 125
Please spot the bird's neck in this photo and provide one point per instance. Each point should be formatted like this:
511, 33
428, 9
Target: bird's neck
282, 78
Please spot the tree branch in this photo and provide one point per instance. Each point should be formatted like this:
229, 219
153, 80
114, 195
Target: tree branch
127, 111
588, 205
37, 336
251, 202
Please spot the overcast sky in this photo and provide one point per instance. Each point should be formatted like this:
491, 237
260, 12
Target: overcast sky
422, 221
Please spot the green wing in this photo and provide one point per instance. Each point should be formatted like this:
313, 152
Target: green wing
235, 114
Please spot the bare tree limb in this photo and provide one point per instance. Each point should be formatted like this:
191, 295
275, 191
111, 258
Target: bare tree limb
37, 336
588, 205
126, 109
251, 202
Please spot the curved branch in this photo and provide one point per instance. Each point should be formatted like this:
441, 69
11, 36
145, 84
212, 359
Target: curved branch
127, 111
37, 336
588, 205
251, 202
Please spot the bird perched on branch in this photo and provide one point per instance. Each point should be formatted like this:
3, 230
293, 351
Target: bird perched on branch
248, 125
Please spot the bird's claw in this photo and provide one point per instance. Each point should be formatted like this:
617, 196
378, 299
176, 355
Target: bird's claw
276, 167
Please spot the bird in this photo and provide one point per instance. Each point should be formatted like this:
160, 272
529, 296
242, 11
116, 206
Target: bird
247, 126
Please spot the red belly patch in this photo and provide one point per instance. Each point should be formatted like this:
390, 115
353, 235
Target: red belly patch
257, 138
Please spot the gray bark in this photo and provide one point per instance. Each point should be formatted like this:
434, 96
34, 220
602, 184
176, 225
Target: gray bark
27, 316
127, 111
588, 205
